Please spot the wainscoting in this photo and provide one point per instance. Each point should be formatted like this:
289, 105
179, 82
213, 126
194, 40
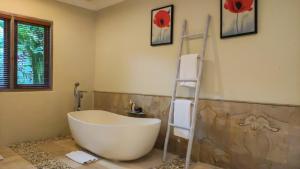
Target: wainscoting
233, 135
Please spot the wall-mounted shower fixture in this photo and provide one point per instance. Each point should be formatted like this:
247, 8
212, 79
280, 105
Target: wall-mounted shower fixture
78, 95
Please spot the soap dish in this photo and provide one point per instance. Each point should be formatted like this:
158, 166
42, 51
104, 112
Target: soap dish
137, 113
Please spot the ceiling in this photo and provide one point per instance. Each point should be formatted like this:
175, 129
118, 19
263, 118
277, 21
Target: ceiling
94, 5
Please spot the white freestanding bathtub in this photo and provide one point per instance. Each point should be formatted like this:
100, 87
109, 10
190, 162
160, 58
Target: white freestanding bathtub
113, 136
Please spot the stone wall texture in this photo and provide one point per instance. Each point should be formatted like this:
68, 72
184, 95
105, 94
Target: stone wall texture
231, 135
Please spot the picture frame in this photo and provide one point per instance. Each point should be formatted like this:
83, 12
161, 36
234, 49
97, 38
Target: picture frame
162, 25
238, 18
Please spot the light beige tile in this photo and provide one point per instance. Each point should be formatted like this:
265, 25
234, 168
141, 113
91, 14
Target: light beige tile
13, 160
7, 152
68, 144
53, 148
200, 165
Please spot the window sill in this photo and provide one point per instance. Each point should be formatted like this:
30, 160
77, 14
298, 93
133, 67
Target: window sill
26, 90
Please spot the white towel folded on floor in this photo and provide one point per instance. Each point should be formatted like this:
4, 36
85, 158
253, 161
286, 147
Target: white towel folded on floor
182, 117
188, 69
81, 157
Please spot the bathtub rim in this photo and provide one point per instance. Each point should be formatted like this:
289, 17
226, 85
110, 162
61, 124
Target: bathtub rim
154, 121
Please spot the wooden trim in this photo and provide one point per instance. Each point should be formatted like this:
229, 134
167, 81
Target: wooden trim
12, 20
15, 54
23, 18
47, 47
25, 90
51, 57
47, 54
34, 21
12, 51
32, 87
5, 16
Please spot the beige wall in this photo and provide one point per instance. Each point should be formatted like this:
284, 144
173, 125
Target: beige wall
260, 68
35, 115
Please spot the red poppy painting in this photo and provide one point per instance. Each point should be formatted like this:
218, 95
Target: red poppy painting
162, 26
238, 17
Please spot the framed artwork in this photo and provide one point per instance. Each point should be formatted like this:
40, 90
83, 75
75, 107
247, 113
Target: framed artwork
162, 25
238, 17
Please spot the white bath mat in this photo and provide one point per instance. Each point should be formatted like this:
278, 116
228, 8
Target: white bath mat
81, 157
1, 157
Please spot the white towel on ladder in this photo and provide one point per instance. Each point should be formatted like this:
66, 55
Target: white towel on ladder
188, 69
182, 117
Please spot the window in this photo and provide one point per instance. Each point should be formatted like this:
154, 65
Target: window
4, 53
31, 55
28, 66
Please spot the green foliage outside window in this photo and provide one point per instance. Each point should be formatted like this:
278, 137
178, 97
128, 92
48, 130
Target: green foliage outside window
30, 51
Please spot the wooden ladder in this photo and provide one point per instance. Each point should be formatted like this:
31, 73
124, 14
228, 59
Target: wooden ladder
191, 129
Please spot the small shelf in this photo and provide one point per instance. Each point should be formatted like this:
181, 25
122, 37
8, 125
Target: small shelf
137, 113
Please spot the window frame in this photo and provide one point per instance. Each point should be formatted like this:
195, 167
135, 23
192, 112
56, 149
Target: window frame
46, 55
12, 63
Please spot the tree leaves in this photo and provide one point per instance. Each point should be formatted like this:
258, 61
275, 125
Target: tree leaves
30, 54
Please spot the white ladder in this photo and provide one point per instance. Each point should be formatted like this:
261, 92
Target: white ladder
185, 36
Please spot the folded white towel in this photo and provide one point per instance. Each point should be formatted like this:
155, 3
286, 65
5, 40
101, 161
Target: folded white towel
182, 117
81, 157
188, 69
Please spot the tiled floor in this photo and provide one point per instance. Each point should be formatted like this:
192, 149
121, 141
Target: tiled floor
58, 148
13, 160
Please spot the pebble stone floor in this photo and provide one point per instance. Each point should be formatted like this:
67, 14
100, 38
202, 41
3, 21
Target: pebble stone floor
49, 154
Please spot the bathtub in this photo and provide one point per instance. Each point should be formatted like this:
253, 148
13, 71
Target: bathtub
113, 136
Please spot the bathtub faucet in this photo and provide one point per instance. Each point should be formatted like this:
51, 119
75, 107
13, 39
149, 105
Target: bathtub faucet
78, 94
134, 108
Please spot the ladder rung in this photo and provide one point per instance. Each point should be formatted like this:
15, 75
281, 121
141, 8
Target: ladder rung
194, 36
181, 127
186, 80
198, 57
